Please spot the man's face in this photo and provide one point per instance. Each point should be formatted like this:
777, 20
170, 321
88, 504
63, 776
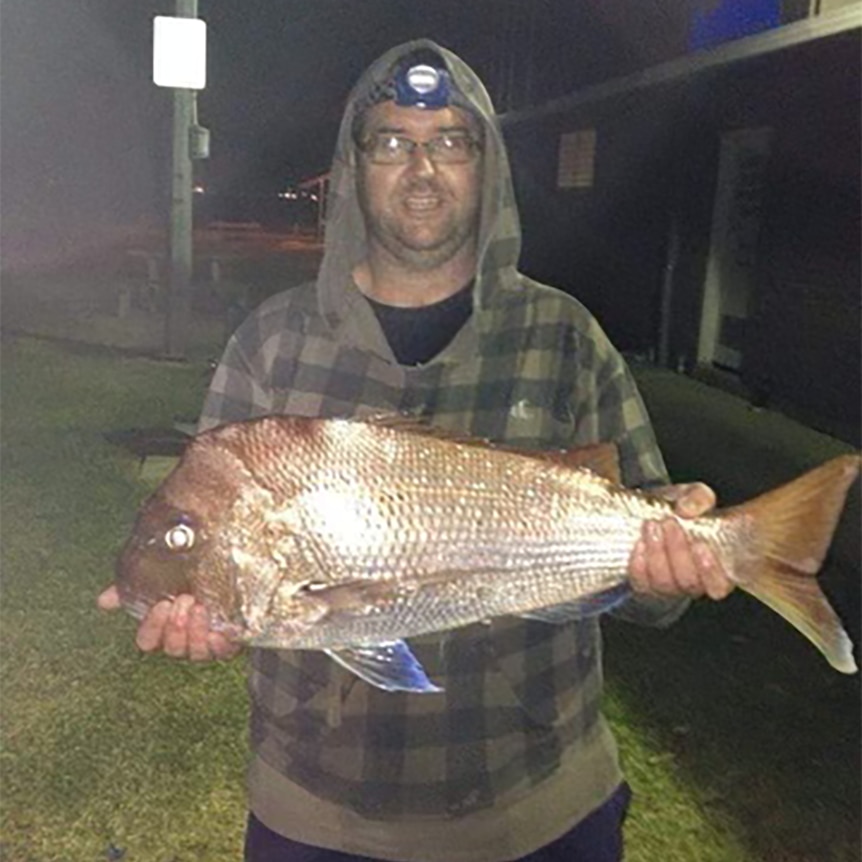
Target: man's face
422, 213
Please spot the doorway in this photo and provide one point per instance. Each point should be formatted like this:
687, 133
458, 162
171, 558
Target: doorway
732, 262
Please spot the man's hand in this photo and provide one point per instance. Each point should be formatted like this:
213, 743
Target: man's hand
180, 628
666, 561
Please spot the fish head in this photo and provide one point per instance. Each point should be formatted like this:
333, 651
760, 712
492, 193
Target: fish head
159, 557
177, 545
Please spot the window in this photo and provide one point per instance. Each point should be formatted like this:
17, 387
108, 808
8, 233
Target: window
576, 167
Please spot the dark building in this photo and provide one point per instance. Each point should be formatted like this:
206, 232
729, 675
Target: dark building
706, 209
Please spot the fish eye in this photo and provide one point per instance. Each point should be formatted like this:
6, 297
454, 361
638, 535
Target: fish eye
180, 537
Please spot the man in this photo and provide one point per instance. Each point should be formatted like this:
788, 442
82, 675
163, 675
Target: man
419, 309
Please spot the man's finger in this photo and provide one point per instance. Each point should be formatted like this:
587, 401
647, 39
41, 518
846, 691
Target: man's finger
176, 637
694, 500
222, 648
109, 599
152, 629
198, 634
638, 568
659, 573
683, 566
716, 584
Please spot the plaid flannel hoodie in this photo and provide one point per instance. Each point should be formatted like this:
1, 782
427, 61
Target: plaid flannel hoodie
522, 699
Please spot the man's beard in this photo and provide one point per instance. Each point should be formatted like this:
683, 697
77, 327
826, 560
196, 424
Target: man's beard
422, 256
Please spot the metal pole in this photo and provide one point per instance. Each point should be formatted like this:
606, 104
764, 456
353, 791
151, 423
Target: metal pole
179, 294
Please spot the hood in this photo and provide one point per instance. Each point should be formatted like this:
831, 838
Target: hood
346, 240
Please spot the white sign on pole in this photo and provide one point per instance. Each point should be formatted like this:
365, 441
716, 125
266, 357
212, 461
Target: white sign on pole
179, 52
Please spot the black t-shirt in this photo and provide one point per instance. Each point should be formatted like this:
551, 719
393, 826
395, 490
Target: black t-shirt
418, 334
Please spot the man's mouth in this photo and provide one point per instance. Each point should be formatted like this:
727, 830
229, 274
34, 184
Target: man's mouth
422, 203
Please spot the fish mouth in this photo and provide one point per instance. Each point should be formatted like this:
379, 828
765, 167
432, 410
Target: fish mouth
138, 602
136, 605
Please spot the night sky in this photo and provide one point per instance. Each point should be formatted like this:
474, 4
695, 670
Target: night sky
86, 134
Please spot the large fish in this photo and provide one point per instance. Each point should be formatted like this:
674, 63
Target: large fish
349, 536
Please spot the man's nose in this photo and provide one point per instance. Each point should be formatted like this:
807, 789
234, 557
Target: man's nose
420, 162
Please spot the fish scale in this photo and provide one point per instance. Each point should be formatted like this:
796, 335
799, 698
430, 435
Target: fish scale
350, 536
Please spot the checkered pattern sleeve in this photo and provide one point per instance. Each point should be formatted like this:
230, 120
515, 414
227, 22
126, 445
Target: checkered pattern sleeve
622, 416
238, 389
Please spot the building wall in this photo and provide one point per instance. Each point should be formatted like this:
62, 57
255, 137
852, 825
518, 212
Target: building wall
606, 244
655, 177
806, 336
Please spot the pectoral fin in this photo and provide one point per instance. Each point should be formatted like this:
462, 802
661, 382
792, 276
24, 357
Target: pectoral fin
391, 666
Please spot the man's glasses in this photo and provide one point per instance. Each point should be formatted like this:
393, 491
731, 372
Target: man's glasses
450, 148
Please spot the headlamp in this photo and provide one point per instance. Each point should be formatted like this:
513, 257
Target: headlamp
422, 86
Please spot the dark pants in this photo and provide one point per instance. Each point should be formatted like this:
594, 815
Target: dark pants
597, 838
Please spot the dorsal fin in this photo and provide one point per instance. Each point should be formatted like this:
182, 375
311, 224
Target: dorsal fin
599, 458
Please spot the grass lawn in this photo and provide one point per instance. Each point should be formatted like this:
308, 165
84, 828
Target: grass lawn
741, 744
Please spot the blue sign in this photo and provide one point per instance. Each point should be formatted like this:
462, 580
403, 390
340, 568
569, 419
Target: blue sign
732, 19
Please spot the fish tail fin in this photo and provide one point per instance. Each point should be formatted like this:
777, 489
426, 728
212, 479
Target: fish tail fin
793, 526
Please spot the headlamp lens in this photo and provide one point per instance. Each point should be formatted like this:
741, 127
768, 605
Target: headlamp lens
422, 86
423, 79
